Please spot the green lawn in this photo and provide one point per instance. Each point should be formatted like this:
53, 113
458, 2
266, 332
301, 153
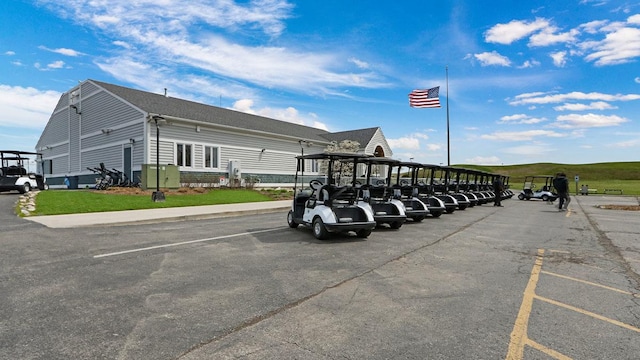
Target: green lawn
54, 202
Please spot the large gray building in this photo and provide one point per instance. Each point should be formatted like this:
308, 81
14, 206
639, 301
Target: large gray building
97, 122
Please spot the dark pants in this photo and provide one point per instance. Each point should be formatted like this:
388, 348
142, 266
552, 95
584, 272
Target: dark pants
563, 197
497, 200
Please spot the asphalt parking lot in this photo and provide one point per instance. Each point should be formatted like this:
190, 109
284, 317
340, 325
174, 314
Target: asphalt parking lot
519, 282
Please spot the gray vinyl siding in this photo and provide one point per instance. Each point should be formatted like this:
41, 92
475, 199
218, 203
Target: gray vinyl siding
111, 157
88, 88
257, 162
188, 134
60, 165
121, 135
138, 155
57, 130
378, 139
74, 142
103, 111
166, 151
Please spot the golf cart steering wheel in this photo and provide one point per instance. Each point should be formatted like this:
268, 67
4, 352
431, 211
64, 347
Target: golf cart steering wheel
404, 182
315, 184
380, 182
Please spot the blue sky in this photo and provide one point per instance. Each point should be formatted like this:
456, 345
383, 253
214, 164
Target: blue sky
528, 81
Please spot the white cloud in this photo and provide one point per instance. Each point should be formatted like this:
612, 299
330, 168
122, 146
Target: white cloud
559, 58
637, 80
618, 47
26, 107
626, 144
513, 31
407, 143
165, 30
10, 53
634, 19
521, 135
54, 65
542, 98
529, 64
549, 37
520, 119
359, 63
572, 121
434, 147
593, 27
289, 114
484, 160
531, 151
597, 105
492, 58
62, 51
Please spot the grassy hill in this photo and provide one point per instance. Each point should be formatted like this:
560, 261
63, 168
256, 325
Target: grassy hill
614, 175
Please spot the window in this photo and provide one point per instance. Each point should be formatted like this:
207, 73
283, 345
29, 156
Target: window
314, 165
210, 157
183, 154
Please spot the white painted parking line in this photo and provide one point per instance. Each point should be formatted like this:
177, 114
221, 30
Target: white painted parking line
183, 243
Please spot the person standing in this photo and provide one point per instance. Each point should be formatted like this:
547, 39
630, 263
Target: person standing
561, 184
498, 187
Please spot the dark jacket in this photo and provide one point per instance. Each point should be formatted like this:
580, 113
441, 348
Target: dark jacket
561, 184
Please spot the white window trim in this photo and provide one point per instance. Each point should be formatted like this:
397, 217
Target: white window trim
204, 157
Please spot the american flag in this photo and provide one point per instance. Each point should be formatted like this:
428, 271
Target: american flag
425, 98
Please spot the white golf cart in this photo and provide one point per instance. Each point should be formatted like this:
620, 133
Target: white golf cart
14, 175
420, 178
331, 205
530, 189
377, 192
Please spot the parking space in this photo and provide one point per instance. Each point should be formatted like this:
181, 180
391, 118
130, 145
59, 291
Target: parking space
573, 317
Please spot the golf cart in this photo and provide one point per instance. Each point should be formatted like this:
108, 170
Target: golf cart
421, 179
387, 209
14, 175
331, 205
530, 189
407, 192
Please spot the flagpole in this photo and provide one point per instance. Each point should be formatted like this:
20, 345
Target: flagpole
448, 142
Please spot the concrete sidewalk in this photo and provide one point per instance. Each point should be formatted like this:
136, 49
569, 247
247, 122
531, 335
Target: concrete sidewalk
148, 216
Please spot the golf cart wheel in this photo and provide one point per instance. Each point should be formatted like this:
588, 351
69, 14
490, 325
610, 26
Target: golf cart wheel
436, 214
545, 197
290, 221
396, 225
418, 218
450, 211
25, 188
319, 231
363, 233
521, 196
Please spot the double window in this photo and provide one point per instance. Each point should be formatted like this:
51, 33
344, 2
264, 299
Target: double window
184, 154
211, 157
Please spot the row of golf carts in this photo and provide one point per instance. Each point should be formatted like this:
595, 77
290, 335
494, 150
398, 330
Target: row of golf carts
358, 193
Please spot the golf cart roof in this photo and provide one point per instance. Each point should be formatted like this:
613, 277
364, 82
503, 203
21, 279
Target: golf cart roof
16, 154
334, 156
410, 164
382, 160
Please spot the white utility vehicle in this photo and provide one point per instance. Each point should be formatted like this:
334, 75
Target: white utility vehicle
331, 204
14, 175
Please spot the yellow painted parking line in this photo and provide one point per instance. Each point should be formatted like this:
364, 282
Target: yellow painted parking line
546, 350
519, 334
589, 283
588, 313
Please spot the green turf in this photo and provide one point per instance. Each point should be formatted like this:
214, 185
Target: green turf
54, 202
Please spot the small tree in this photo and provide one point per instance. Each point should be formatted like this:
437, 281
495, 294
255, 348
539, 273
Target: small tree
342, 172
